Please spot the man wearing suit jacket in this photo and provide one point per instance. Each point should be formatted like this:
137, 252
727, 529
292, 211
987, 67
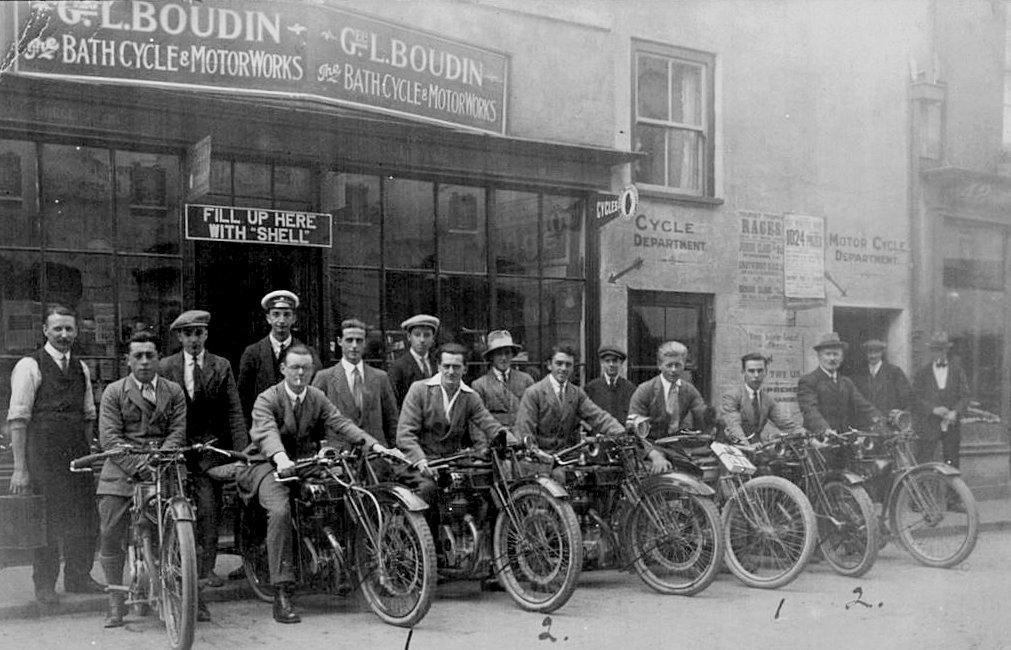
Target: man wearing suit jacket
290, 420
552, 409
611, 391
141, 408
829, 401
213, 411
942, 395
358, 390
417, 363
884, 385
502, 387
747, 408
669, 401
260, 364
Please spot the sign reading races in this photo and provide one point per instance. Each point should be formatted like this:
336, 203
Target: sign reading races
257, 226
293, 49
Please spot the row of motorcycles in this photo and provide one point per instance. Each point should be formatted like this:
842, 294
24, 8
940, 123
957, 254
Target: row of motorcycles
534, 520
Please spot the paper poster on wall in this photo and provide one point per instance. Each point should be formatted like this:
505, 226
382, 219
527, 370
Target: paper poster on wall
760, 260
804, 257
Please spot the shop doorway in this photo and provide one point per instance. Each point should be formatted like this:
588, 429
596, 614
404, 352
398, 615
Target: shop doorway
855, 325
232, 278
658, 316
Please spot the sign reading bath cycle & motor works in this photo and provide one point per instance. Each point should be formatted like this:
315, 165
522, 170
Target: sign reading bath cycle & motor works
222, 223
268, 47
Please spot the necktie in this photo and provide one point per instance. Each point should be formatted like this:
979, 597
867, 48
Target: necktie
198, 378
297, 409
356, 388
561, 393
427, 368
280, 358
754, 409
147, 392
671, 404
942, 364
63, 363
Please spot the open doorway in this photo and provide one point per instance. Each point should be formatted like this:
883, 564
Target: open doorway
858, 324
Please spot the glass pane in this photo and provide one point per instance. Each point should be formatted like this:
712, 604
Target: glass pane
20, 302
514, 232
562, 314
464, 313
562, 237
76, 197
684, 160
651, 87
973, 257
355, 294
686, 95
406, 294
353, 200
293, 184
147, 202
652, 141
85, 283
252, 180
518, 310
19, 212
462, 229
410, 224
150, 297
221, 177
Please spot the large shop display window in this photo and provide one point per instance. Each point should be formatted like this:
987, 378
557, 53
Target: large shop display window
480, 258
975, 297
96, 230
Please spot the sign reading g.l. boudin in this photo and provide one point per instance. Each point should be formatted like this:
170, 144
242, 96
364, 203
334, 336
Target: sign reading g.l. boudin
294, 49
222, 223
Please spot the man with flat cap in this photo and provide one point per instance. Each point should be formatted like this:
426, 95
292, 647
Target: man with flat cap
941, 396
418, 363
883, 384
829, 401
259, 366
213, 411
611, 391
502, 386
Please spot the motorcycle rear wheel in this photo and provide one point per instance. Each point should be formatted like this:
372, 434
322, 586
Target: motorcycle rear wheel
848, 531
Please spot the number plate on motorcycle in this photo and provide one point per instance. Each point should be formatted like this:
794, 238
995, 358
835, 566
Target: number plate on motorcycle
732, 458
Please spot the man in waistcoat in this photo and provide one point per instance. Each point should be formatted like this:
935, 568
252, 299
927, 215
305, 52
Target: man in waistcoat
942, 395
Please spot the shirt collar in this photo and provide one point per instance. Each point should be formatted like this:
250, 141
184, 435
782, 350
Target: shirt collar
292, 396
751, 391
274, 343
436, 380
829, 374
666, 384
501, 376
555, 386
54, 353
189, 357
876, 368
349, 367
140, 386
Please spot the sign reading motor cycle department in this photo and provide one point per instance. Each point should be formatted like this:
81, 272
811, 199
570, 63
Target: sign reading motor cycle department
293, 49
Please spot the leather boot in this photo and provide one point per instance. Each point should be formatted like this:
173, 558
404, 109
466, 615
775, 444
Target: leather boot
112, 566
117, 610
283, 610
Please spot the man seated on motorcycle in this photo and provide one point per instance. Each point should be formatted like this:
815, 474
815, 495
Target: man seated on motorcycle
290, 420
747, 408
669, 400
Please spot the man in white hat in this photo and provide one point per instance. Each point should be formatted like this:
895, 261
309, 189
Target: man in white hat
611, 391
260, 364
418, 363
213, 411
942, 395
829, 401
502, 387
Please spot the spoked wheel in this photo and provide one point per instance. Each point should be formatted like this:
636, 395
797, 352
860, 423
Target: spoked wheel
178, 581
396, 564
934, 516
848, 530
770, 532
539, 555
675, 540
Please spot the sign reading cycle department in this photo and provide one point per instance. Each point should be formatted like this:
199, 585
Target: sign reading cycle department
222, 223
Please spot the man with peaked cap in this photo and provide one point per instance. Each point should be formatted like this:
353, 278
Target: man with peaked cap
611, 391
829, 401
502, 386
417, 363
213, 411
941, 391
883, 384
259, 366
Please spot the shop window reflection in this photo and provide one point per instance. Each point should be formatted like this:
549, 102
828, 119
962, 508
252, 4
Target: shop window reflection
518, 309
19, 216
562, 237
514, 229
353, 200
77, 197
410, 224
562, 314
355, 294
462, 229
20, 302
150, 297
406, 294
464, 312
147, 202
85, 284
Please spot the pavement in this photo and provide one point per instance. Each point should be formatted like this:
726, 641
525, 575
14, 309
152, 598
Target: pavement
17, 595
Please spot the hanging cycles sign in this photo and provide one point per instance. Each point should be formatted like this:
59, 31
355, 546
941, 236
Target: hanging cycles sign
222, 223
297, 50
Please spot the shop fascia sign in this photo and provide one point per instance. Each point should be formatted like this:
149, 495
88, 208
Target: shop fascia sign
294, 50
608, 207
223, 223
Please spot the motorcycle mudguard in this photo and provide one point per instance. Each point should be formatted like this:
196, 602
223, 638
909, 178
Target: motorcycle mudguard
844, 476
182, 509
681, 481
940, 468
549, 484
411, 501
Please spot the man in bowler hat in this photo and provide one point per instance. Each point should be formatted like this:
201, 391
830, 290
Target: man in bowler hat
829, 401
942, 394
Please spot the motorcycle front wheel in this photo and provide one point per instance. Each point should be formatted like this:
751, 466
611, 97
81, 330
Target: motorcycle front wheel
538, 553
848, 529
935, 517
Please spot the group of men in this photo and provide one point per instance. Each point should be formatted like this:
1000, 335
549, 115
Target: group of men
280, 409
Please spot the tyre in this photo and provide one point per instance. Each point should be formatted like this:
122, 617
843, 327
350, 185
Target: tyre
538, 555
848, 529
396, 564
770, 532
935, 518
178, 580
675, 540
